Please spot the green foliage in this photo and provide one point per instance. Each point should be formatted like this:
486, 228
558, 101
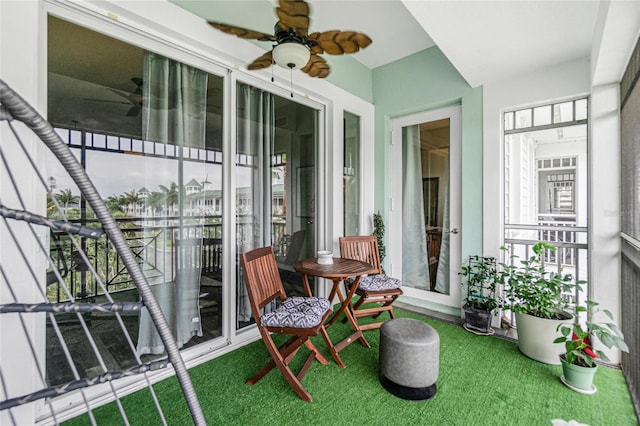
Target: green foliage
66, 198
378, 232
481, 278
531, 289
578, 341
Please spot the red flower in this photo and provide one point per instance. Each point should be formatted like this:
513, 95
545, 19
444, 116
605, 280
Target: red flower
587, 342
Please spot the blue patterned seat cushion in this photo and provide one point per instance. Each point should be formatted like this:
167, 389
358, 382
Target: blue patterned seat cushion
377, 282
297, 312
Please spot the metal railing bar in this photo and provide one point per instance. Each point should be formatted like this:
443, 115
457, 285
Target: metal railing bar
633, 242
547, 227
559, 244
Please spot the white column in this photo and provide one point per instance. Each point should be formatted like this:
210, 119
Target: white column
604, 213
21, 60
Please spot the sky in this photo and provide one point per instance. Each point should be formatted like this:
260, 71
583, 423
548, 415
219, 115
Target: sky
116, 173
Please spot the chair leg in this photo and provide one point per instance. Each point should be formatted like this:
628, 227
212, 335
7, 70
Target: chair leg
354, 308
286, 351
388, 301
318, 355
383, 305
280, 357
293, 380
332, 349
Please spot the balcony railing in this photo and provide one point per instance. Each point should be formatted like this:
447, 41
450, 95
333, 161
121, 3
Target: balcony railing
571, 256
152, 241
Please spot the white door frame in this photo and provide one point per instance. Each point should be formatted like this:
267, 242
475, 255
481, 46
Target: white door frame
455, 217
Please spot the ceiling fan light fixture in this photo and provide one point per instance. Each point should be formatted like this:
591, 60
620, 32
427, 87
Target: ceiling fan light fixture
291, 55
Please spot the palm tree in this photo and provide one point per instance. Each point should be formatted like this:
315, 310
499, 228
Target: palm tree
131, 199
171, 195
115, 203
65, 198
154, 200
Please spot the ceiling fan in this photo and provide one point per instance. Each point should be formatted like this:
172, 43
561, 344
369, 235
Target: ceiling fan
133, 98
294, 47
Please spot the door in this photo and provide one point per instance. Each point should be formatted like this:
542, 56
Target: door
424, 234
275, 185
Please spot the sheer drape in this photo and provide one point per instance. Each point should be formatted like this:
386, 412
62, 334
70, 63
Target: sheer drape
256, 128
442, 276
415, 268
174, 113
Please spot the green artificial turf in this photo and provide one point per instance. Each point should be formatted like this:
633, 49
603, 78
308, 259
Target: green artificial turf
483, 380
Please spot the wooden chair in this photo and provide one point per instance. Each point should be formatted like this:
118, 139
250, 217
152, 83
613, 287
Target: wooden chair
290, 250
377, 291
293, 248
434, 240
298, 317
212, 258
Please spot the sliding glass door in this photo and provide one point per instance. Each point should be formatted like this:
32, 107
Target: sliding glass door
148, 130
151, 131
275, 184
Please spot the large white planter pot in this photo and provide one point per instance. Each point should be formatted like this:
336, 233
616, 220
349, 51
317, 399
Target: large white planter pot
536, 336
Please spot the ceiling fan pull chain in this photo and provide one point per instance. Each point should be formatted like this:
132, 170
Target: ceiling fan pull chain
291, 80
272, 64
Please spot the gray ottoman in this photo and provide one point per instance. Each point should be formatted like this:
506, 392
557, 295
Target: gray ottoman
409, 358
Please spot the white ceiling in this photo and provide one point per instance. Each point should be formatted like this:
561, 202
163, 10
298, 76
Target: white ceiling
492, 40
485, 40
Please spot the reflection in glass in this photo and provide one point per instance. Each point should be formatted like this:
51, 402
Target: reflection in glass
425, 262
275, 178
351, 173
164, 198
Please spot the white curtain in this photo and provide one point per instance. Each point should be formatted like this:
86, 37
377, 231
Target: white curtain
174, 113
256, 128
415, 265
442, 276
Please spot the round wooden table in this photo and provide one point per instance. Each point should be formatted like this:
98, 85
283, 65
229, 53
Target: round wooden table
338, 271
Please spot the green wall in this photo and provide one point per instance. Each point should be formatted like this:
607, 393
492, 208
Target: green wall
421, 82
350, 75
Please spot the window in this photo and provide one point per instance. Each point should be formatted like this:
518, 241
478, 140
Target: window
158, 185
545, 171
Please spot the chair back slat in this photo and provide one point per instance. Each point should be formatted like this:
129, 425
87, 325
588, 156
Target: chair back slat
262, 278
363, 248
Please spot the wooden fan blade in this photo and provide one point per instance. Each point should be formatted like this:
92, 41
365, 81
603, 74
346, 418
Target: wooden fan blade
337, 42
348, 41
242, 32
294, 14
316, 49
316, 67
263, 61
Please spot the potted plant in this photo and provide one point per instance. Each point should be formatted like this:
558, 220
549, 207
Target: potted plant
378, 231
481, 278
579, 359
539, 300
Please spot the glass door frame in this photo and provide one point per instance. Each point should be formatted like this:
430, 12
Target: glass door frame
236, 77
431, 299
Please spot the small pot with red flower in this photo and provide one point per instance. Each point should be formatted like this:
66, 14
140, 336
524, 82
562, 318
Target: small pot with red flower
579, 363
